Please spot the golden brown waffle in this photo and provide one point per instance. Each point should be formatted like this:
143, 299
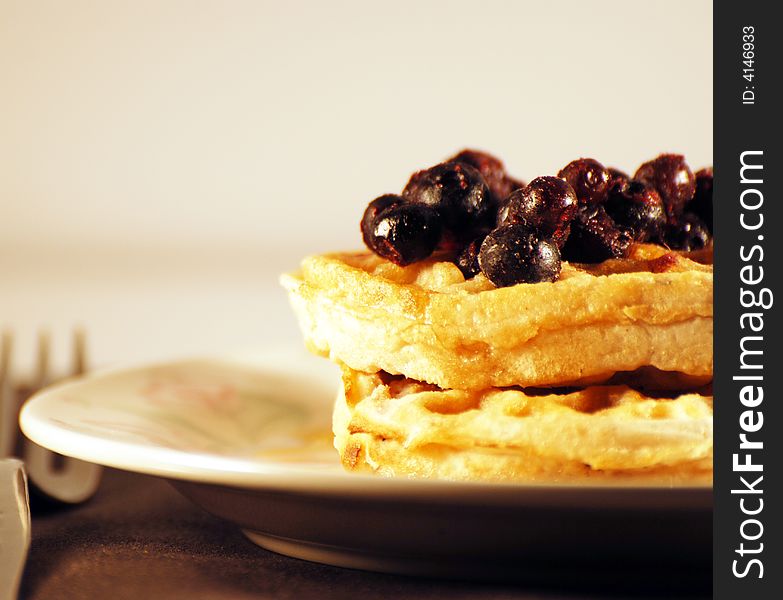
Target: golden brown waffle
650, 311
399, 427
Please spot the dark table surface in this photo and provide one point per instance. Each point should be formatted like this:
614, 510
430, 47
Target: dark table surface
138, 538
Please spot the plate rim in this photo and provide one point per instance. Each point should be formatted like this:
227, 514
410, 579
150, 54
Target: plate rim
265, 474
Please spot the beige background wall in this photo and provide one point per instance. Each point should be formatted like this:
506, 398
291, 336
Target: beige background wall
161, 161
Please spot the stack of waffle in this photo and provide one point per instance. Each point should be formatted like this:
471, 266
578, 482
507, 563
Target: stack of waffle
604, 374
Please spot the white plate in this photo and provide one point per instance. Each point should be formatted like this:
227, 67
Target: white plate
248, 438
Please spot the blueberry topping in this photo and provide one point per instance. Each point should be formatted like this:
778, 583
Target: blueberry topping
616, 176
450, 244
688, 233
670, 175
372, 211
405, 233
502, 214
514, 254
546, 204
459, 193
637, 207
473, 213
595, 237
467, 261
701, 205
589, 178
492, 170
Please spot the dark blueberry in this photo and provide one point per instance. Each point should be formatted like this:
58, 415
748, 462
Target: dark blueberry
459, 193
701, 204
595, 237
491, 169
670, 175
450, 243
637, 207
502, 214
405, 233
372, 211
467, 261
688, 233
514, 254
504, 204
589, 178
546, 204
617, 176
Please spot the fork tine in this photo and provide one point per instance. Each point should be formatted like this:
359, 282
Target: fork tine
8, 399
42, 358
79, 352
6, 346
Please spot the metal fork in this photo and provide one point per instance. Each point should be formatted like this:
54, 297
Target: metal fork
64, 479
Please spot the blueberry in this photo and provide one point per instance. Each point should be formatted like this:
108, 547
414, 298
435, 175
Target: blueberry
491, 169
372, 211
616, 176
670, 175
688, 233
546, 204
595, 237
637, 207
502, 213
467, 261
514, 253
459, 193
589, 178
701, 205
450, 244
405, 233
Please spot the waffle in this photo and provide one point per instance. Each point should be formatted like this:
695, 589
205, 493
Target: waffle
648, 313
399, 427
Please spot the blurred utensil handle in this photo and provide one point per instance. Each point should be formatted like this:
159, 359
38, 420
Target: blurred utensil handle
14, 526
